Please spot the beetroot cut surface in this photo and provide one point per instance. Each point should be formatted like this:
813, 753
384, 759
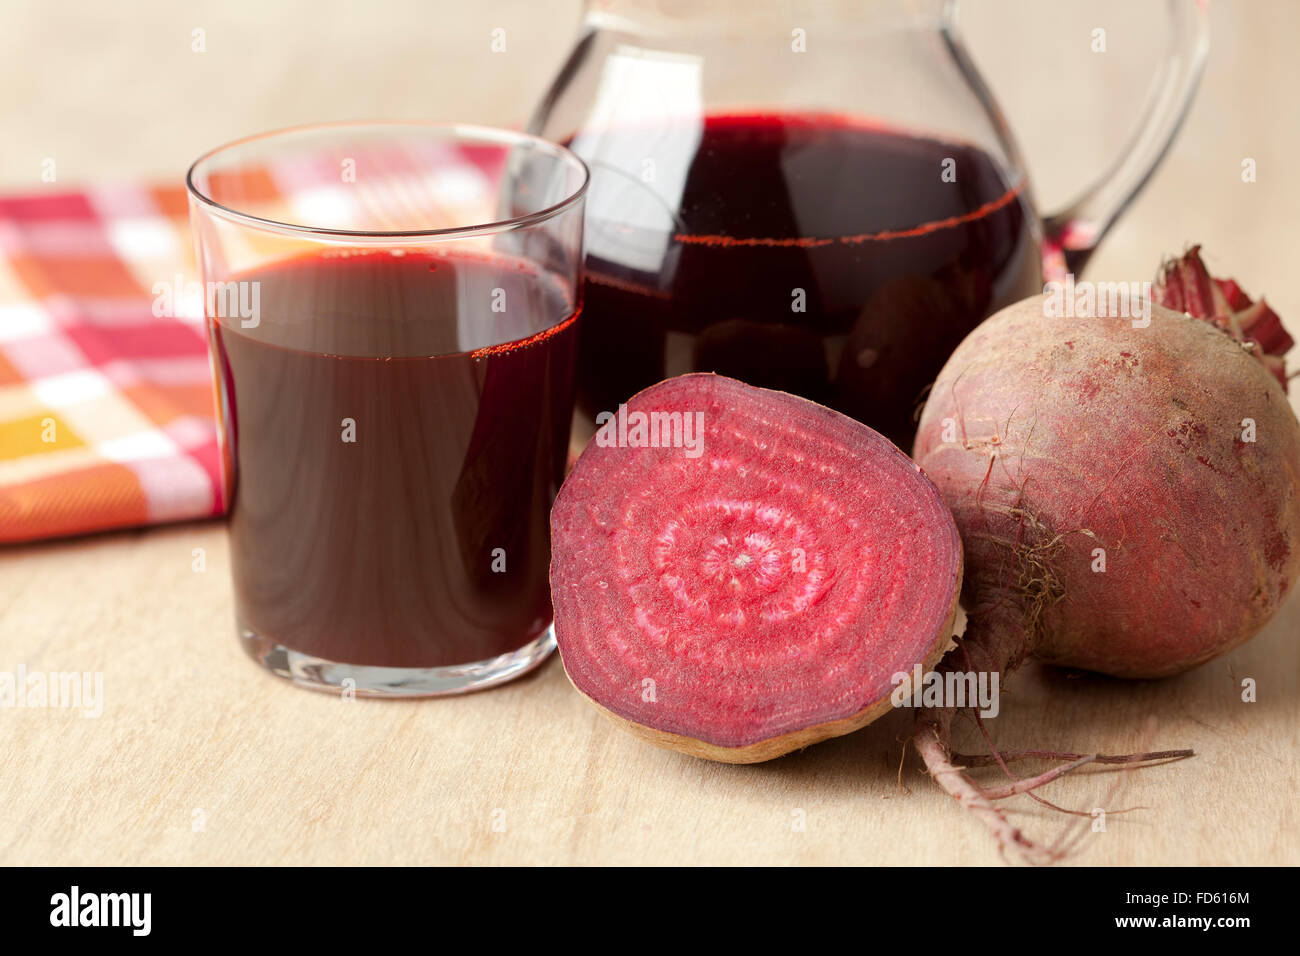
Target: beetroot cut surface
759, 595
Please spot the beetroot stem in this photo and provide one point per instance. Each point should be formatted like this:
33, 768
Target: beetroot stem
996, 633
1011, 756
931, 742
1031, 783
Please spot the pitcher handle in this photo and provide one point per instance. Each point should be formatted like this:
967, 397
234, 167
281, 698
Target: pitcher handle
1072, 234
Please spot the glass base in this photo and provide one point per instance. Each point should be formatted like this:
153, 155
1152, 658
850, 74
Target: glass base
367, 681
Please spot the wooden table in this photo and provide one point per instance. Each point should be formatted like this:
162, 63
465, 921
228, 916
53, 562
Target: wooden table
200, 757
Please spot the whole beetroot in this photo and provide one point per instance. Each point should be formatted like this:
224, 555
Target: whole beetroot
1128, 498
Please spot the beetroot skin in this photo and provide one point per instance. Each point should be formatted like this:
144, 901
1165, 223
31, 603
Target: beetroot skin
1129, 499
758, 594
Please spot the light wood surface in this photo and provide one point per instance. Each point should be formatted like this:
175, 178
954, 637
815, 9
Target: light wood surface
200, 757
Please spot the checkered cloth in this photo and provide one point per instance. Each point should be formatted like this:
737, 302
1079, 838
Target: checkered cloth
106, 408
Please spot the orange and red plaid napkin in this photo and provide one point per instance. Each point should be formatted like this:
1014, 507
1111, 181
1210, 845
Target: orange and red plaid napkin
106, 402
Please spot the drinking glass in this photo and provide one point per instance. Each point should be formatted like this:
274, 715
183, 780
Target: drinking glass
392, 315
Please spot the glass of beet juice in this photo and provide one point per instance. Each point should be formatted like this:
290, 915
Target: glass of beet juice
392, 319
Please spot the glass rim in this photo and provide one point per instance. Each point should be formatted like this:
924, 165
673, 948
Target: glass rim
455, 131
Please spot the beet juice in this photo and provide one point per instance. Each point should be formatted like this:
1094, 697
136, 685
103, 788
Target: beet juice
397, 430
811, 253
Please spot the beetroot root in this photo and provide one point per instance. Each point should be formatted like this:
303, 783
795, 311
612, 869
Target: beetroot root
758, 596
1128, 498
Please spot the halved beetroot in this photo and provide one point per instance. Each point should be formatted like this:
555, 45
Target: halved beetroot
758, 592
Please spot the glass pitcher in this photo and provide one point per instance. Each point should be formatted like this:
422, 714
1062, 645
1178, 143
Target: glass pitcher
821, 198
